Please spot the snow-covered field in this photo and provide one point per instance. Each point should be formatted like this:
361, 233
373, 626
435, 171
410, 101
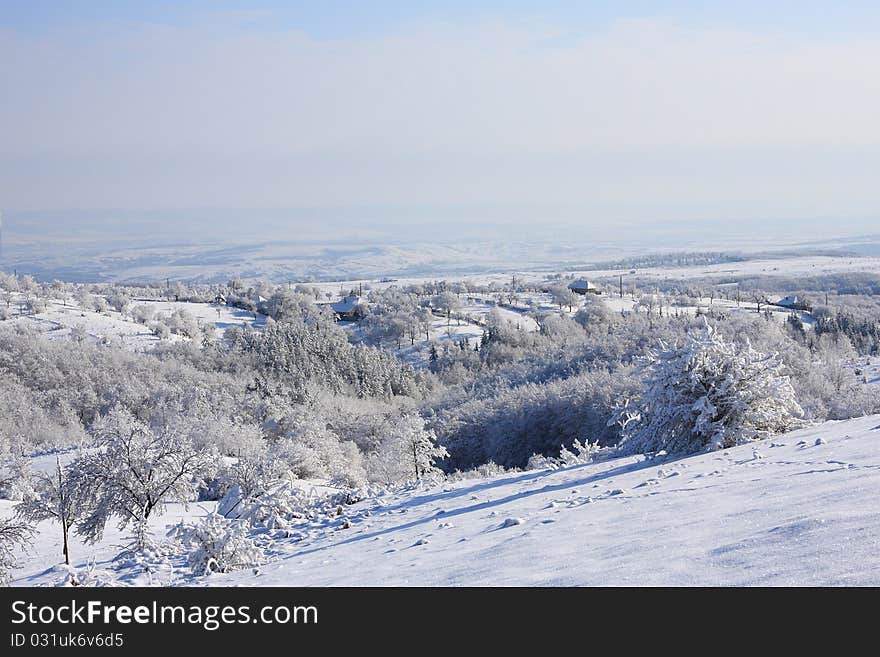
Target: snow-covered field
61, 320
791, 266
800, 509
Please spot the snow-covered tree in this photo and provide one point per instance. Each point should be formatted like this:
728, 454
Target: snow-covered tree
446, 303
311, 450
564, 296
709, 394
14, 534
118, 301
160, 329
408, 450
16, 476
100, 304
135, 470
143, 313
594, 314
52, 498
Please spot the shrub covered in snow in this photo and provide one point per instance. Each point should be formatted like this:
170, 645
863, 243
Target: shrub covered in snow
580, 453
272, 507
287, 503
13, 535
217, 545
710, 394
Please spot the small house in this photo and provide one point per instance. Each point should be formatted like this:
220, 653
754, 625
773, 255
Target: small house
793, 302
583, 286
349, 308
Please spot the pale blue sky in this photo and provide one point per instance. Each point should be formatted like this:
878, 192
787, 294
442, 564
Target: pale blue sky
341, 18
592, 111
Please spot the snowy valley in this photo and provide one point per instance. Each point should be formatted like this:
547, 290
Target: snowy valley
683, 420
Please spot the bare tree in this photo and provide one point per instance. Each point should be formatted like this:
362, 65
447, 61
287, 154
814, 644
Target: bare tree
760, 298
133, 474
52, 499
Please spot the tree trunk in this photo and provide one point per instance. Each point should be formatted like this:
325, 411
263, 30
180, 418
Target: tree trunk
64, 530
63, 511
415, 460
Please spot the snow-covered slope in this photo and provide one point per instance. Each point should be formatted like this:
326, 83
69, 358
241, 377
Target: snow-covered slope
802, 509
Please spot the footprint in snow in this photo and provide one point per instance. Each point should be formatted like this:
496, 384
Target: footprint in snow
650, 482
445, 525
820, 441
777, 444
421, 541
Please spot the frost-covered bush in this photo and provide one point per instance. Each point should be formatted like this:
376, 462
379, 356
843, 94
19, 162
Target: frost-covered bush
580, 453
217, 545
484, 471
143, 313
278, 506
160, 329
118, 301
85, 576
710, 394
312, 450
16, 477
253, 474
14, 535
30, 426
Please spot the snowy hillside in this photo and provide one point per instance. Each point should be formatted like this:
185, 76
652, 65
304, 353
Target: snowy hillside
66, 320
800, 509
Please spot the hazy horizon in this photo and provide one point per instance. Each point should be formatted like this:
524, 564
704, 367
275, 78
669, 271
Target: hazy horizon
232, 123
